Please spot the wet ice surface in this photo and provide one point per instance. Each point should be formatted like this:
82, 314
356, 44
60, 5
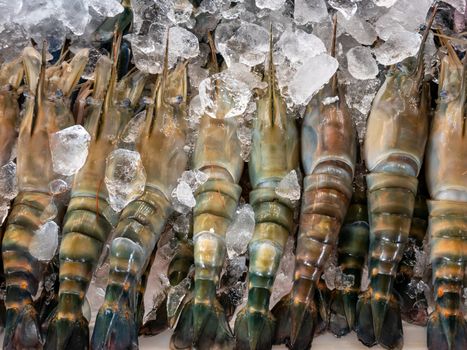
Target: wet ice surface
69, 149
240, 231
125, 177
289, 187
183, 198
284, 277
44, 243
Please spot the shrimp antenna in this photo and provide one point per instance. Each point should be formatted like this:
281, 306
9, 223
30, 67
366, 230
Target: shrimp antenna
333, 53
420, 70
40, 89
271, 76
165, 69
117, 40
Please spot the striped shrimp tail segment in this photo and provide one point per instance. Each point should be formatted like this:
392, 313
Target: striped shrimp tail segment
85, 231
139, 228
22, 270
325, 201
255, 325
391, 199
352, 252
203, 321
447, 327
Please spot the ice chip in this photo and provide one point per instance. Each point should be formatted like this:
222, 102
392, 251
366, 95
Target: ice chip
330, 100
311, 77
459, 5
240, 231
270, 4
125, 177
180, 11
44, 243
245, 135
346, 7
8, 181
107, 8
58, 186
398, 47
289, 187
365, 282
385, 3
4, 207
74, 15
358, 28
194, 178
176, 295
182, 44
284, 279
223, 97
306, 11
298, 46
134, 128
69, 149
184, 194
361, 64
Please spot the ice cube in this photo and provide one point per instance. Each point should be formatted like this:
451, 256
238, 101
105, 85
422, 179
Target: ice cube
245, 135
182, 44
69, 149
242, 42
4, 208
194, 178
223, 96
125, 177
358, 28
298, 46
306, 11
399, 46
74, 15
180, 11
385, 3
44, 243
176, 296
240, 231
107, 8
405, 15
361, 63
270, 4
289, 187
311, 77
284, 279
346, 7
8, 181
184, 194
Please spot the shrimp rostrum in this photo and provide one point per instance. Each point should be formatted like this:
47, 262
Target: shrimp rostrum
446, 173
87, 223
142, 221
47, 110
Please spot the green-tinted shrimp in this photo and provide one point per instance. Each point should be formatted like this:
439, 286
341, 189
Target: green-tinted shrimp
394, 147
142, 221
86, 227
47, 110
274, 155
446, 173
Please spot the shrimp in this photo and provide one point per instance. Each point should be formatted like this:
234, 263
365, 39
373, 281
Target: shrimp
328, 157
446, 174
394, 146
47, 110
87, 225
202, 322
274, 155
142, 221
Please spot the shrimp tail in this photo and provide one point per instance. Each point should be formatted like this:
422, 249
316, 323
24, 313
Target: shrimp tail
255, 330
447, 332
374, 316
115, 329
204, 325
23, 330
71, 333
157, 321
296, 322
